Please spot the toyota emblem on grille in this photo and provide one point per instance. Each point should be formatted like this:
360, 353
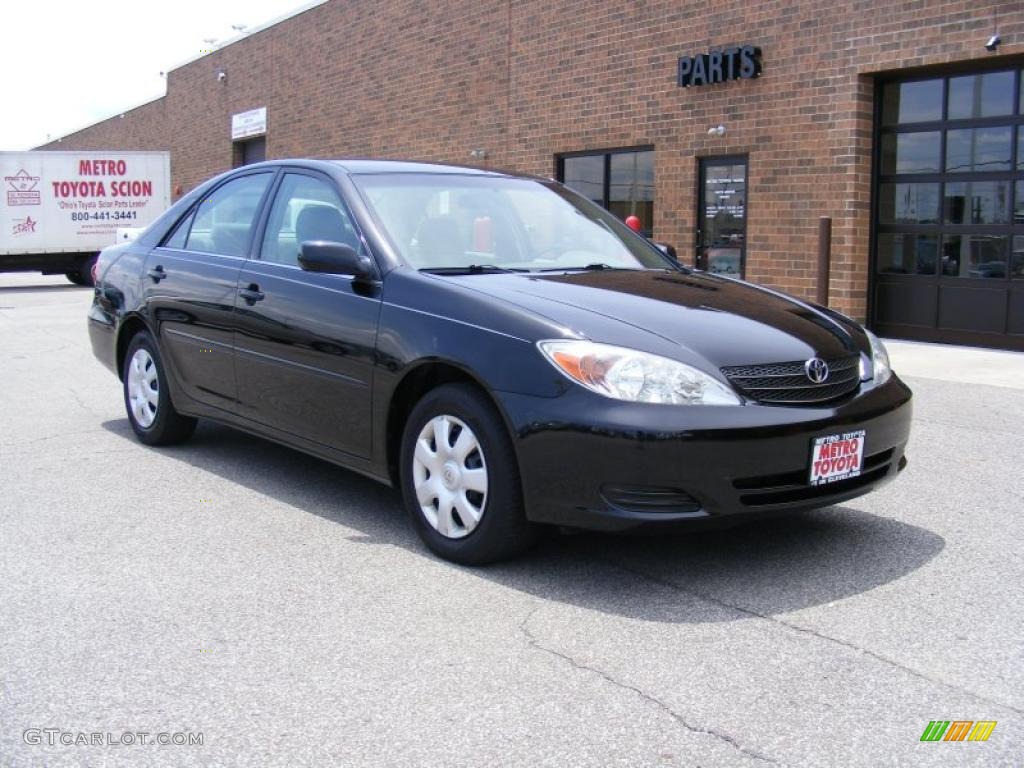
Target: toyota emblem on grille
816, 369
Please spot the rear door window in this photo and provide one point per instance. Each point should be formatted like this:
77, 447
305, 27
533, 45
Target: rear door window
180, 234
224, 221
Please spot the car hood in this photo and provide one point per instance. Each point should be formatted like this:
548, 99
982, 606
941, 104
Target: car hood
723, 321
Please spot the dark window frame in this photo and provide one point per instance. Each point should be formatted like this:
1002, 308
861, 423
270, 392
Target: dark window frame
560, 158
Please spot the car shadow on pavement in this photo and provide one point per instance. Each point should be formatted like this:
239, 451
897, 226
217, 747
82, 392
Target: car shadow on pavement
761, 568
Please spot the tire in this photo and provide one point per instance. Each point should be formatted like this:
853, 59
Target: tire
475, 477
147, 398
83, 275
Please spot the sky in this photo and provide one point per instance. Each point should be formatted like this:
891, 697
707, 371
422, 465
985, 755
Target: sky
65, 65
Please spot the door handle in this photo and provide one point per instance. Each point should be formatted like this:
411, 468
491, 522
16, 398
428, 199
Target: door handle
252, 294
157, 273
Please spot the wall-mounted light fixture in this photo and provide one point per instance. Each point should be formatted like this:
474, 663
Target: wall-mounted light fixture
478, 154
717, 130
221, 75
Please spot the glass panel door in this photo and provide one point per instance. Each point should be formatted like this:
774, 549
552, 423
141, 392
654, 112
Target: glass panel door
722, 216
949, 216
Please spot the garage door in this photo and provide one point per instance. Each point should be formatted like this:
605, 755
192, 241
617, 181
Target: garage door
948, 261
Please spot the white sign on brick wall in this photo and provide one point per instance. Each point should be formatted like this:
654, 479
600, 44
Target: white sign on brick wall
251, 123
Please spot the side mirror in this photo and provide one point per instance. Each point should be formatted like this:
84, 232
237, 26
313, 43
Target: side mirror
336, 259
668, 250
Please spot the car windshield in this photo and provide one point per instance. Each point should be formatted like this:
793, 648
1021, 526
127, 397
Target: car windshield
490, 223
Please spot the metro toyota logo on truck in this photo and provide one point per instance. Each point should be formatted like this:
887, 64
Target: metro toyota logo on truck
79, 202
22, 189
114, 187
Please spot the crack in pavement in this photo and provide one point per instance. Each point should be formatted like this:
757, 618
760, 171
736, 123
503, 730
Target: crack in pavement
533, 642
807, 631
83, 405
47, 438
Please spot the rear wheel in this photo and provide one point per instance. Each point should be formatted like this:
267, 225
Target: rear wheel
146, 398
83, 274
460, 478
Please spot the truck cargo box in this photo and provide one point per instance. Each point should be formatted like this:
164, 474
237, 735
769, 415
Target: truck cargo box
58, 209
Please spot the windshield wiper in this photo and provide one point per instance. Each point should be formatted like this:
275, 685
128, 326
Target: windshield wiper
596, 267
469, 269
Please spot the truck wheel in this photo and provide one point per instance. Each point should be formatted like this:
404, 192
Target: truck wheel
460, 478
147, 399
83, 275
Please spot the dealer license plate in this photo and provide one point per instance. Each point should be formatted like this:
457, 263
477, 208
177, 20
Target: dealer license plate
837, 457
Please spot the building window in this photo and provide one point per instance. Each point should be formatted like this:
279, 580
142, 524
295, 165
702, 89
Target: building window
620, 180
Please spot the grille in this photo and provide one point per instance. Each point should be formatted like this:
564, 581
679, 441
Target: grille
789, 487
787, 383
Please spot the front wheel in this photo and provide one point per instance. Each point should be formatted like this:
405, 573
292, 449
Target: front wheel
146, 398
460, 478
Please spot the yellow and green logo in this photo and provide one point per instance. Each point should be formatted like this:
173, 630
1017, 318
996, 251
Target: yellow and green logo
958, 730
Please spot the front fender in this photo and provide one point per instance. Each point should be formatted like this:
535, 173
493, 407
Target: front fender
423, 319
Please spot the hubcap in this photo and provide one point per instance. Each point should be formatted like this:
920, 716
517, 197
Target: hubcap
143, 388
450, 476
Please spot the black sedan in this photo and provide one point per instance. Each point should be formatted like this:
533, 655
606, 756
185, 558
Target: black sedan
506, 352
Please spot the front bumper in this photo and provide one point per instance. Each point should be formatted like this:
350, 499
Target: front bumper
579, 451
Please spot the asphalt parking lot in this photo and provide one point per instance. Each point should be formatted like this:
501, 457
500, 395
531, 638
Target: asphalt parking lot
284, 609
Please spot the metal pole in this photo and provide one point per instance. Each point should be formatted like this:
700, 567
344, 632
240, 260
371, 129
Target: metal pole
824, 258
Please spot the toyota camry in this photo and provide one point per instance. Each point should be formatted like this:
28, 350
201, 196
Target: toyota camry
507, 353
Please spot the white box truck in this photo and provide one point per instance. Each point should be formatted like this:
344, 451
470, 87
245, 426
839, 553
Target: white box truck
58, 209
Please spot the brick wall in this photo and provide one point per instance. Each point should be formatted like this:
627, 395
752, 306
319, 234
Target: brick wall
525, 80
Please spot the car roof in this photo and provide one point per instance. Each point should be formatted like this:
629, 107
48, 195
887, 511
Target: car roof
368, 165
361, 165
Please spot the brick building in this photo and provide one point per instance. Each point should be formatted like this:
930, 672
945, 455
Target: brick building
889, 116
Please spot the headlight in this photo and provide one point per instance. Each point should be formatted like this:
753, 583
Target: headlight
881, 371
626, 374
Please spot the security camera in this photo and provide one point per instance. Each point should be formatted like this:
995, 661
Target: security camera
222, 76
993, 42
